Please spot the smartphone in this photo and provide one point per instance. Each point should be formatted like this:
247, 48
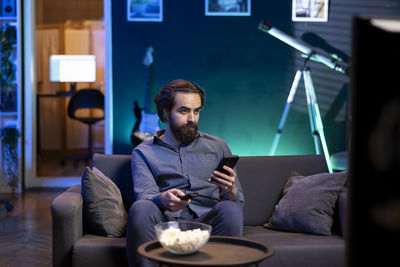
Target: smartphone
189, 196
229, 161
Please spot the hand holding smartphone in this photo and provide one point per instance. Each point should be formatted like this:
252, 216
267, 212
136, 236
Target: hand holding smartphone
226, 184
229, 161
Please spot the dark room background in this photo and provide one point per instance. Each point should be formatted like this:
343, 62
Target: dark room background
246, 73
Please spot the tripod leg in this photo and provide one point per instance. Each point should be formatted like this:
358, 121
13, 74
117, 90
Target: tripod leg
315, 118
285, 112
311, 114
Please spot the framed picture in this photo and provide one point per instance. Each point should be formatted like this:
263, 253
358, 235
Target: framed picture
227, 7
310, 10
145, 10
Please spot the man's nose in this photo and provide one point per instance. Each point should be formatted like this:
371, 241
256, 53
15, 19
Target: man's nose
190, 116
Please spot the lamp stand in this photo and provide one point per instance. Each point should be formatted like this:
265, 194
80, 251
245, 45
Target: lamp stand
73, 87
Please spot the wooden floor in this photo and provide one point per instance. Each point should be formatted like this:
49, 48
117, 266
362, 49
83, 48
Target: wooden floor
25, 232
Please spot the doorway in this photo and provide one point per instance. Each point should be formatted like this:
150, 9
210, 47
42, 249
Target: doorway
66, 28
60, 27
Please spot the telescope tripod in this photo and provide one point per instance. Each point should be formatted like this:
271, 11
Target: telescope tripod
313, 111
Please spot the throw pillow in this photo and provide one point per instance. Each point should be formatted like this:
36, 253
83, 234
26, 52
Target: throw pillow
103, 206
308, 203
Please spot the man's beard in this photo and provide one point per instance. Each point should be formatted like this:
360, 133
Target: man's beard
186, 133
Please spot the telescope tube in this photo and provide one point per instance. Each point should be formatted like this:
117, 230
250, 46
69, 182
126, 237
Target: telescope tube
309, 53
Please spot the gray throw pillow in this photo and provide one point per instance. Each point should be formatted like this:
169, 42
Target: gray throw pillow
103, 206
308, 203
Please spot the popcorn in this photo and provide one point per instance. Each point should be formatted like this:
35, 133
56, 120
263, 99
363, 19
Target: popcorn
183, 242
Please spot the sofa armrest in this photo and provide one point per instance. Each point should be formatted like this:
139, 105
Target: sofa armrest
67, 228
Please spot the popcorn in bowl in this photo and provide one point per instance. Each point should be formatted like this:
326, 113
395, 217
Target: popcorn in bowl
182, 237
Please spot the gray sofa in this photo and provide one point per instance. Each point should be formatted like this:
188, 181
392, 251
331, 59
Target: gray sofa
262, 179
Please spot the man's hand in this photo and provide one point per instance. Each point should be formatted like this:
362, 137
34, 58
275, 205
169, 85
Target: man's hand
171, 201
226, 182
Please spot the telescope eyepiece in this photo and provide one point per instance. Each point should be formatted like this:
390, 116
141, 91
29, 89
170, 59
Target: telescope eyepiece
264, 25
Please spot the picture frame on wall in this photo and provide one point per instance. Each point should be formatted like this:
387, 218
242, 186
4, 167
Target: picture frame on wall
310, 10
145, 10
227, 7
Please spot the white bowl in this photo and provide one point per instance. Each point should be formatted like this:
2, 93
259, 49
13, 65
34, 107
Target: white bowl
182, 237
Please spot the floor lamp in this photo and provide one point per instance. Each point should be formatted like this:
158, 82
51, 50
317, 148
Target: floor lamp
67, 68
72, 69
312, 104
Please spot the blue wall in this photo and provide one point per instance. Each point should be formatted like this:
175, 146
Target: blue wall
246, 74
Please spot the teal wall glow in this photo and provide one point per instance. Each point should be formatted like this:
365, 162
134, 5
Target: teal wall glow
245, 73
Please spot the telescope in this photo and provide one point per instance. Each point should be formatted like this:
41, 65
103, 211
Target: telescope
307, 52
317, 129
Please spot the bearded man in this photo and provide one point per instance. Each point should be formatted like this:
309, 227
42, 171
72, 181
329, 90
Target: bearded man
177, 161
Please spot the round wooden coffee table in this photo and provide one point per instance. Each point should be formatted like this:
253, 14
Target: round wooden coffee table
219, 251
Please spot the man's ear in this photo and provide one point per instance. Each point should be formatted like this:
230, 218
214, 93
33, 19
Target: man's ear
166, 114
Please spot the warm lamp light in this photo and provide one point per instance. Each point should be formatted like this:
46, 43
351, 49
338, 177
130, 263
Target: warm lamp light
73, 69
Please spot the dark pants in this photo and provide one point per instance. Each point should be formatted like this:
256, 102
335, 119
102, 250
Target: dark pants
226, 219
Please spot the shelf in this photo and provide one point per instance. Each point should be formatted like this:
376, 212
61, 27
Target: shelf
8, 18
6, 113
10, 115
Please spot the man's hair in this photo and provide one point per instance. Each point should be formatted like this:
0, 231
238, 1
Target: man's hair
166, 97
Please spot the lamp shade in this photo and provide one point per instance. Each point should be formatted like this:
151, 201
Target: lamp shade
72, 68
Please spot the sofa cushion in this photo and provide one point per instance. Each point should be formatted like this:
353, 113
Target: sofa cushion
341, 208
263, 178
103, 207
307, 204
299, 249
118, 169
